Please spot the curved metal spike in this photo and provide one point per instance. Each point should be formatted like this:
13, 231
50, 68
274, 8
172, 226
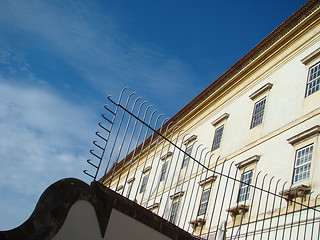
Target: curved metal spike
108, 109
86, 172
89, 161
103, 127
121, 93
103, 115
128, 98
98, 134
99, 157
95, 143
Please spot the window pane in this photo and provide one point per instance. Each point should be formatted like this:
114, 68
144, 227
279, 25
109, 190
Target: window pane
313, 82
186, 158
258, 112
244, 186
144, 183
302, 164
163, 171
217, 137
174, 212
204, 202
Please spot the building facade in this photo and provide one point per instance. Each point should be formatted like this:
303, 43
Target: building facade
242, 159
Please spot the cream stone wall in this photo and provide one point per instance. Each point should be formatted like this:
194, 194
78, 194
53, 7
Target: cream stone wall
282, 70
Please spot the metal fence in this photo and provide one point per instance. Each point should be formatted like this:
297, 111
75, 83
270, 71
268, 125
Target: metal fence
154, 162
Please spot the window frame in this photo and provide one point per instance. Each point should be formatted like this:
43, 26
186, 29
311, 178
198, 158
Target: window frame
258, 114
204, 202
174, 211
315, 87
144, 183
186, 158
163, 171
245, 186
300, 141
307, 163
217, 138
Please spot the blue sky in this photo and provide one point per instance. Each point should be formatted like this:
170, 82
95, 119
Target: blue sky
60, 59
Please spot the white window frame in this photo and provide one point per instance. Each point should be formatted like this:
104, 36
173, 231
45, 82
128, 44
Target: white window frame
258, 113
313, 80
217, 137
144, 183
204, 201
163, 171
302, 164
244, 189
174, 211
186, 158
300, 141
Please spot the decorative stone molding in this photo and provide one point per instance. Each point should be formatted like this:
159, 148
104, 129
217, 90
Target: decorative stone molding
147, 169
237, 210
177, 195
315, 54
153, 206
294, 192
190, 139
261, 91
165, 156
131, 180
119, 188
304, 135
197, 222
207, 180
223, 117
248, 161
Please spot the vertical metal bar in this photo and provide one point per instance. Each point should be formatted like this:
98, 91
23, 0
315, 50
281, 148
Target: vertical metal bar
285, 216
279, 215
188, 182
158, 163
154, 153
307, 216
233, 186
122, 142
195, 181
266, 205
258, 208
252, 201
272, 209
224, 192
136, 143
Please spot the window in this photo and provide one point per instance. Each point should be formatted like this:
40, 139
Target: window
163, 171
244, 190
144, 183
258, 112
313, 82
174, 212
217, 137
204, 202
129, 190
302, 163
186, 158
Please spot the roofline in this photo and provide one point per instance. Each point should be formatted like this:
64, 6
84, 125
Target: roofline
263, 45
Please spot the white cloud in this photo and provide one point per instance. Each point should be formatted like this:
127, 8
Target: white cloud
43, 138
95, 45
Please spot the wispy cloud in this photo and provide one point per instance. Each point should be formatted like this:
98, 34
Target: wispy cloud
45, 135
96, 45
41, 133
43, 139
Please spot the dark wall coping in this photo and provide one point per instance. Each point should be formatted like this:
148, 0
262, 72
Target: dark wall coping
55, 202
